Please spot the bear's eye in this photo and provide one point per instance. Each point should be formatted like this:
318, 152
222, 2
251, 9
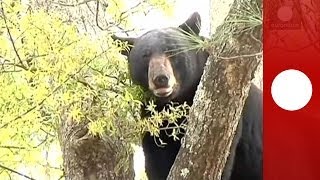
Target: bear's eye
146, 53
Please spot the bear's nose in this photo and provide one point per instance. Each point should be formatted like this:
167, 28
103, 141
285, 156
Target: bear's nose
161, 81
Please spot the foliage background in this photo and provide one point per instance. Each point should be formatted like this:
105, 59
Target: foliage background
52, 64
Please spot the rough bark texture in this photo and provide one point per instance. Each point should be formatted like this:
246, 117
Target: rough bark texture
91, 158
217, 107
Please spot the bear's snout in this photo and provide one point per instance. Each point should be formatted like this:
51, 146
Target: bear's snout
161, 78
161, 81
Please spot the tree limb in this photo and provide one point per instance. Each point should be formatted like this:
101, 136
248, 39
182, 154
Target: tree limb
16, 172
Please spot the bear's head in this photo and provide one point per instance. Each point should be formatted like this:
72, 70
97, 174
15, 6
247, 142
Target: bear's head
164, 61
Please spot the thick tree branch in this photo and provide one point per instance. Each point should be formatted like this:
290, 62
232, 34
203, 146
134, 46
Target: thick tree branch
218, 104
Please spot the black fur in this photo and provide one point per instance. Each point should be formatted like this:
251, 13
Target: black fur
245, 160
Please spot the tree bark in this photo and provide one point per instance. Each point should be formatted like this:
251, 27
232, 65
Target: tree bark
88, 157
218, 104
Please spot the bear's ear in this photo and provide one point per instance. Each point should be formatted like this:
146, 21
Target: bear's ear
128, 40
193, 24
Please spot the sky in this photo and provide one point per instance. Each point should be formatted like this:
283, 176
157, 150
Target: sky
182, 10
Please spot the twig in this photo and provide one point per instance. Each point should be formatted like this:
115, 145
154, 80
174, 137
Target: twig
240, 56
11, 39
72, 5
12, 147
16, 172
97, 16
86, 84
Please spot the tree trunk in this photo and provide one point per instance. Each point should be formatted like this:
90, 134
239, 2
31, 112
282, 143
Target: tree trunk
219, 100
87, 157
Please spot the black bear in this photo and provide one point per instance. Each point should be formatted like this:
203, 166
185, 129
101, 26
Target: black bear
172, 75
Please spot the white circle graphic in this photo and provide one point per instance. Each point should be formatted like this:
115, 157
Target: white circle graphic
291, 90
